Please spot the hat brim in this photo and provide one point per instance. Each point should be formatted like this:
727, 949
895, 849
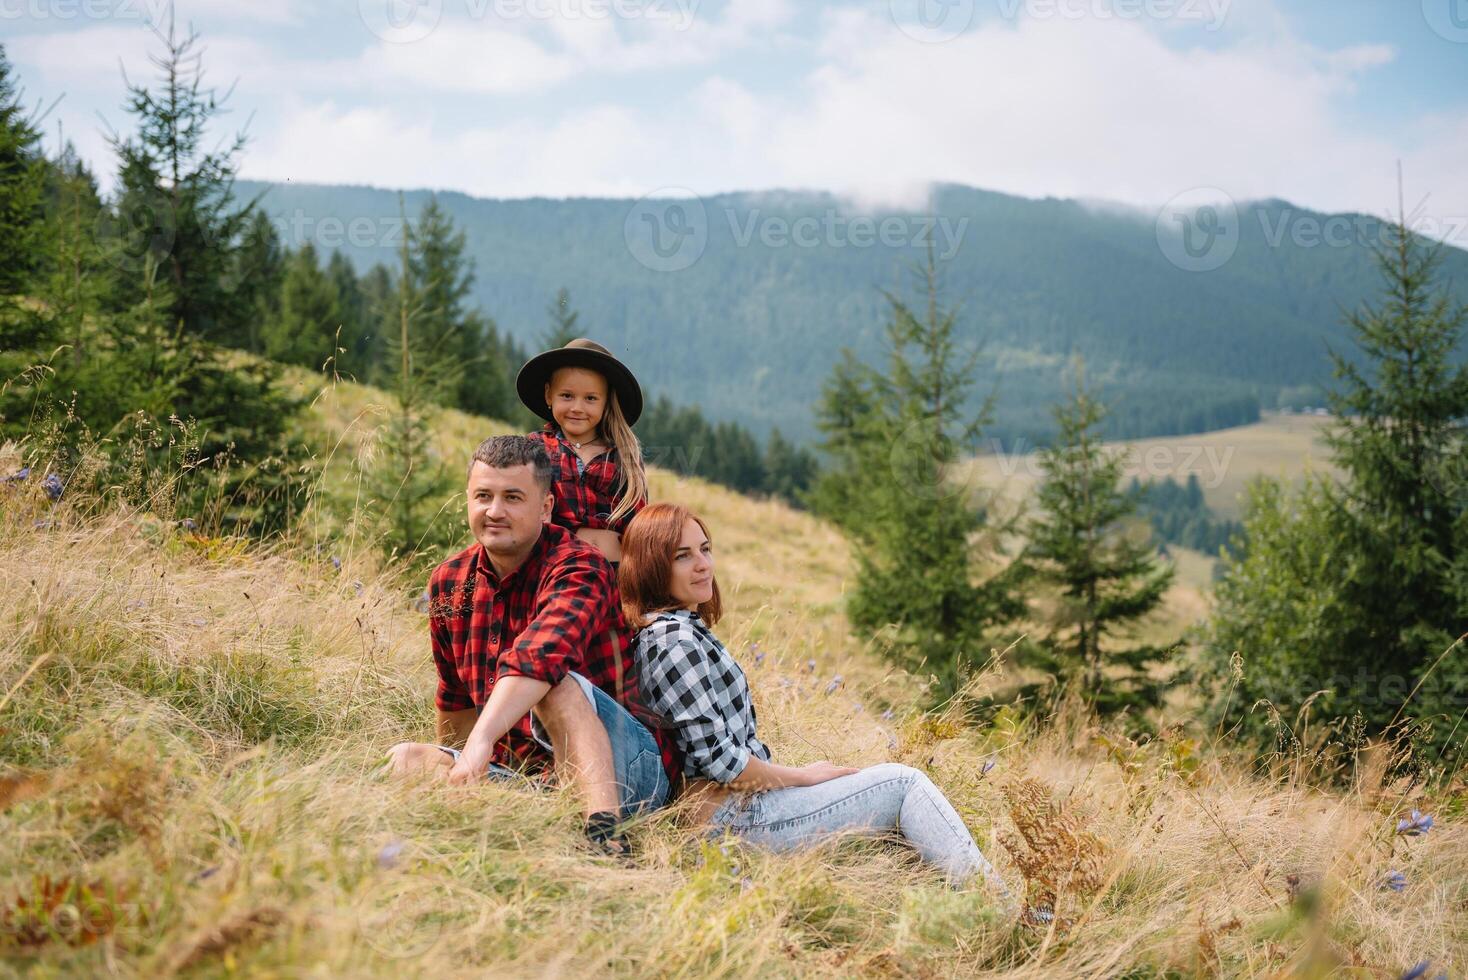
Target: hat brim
536, 374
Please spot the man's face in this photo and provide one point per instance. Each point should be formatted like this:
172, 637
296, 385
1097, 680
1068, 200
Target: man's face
506, 508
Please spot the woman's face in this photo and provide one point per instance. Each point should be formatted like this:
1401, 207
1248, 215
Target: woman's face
577, 399
692, 579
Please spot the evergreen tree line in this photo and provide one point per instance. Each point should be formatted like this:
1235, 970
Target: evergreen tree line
1179, 515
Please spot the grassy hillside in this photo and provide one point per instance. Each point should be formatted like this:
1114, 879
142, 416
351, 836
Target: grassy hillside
1285, 446
191, 734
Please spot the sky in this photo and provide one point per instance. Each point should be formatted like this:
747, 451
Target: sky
1140, 102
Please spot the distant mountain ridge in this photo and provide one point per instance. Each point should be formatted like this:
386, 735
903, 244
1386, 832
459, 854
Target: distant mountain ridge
740, 303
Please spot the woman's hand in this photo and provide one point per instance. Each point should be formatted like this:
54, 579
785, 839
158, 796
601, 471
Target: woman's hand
815, 773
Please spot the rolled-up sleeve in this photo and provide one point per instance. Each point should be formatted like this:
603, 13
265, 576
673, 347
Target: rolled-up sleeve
681, 687
571, 607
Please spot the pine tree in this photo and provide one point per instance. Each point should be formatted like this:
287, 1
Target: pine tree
308, 320
1399, 439
894, 439
563, 317
410, 479
22, 181
259, 268
1085, 544
1358, 589
176, 201
789, 470
443, 334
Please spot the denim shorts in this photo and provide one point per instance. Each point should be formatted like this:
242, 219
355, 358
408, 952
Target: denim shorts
637, 763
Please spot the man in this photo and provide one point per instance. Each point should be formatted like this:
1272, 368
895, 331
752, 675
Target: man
533, 654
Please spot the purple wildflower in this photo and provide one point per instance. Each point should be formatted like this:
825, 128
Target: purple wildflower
810, 666
1420, 970
18, 476
358, 586
1395, 880
835, 683
759, 658
188, 524
887, 715
984, 769
390, 853
1416, 825
53, 486
336, 563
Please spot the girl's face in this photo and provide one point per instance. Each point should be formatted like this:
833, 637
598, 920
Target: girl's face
692, 579
577, 399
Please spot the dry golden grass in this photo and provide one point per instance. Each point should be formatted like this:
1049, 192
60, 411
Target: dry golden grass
191, 741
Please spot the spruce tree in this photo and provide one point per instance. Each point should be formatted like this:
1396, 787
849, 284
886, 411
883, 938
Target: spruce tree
176, 204
1358, 588
308, 319
1085, 544
22, 182
410, 480
894, 438
562, 329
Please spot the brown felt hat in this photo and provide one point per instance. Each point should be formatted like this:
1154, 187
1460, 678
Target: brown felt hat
581, 353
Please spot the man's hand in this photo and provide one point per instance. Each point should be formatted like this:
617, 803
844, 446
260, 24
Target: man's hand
471, 765
814, 773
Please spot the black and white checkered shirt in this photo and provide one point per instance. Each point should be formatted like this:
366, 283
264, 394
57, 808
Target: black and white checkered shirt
700, 695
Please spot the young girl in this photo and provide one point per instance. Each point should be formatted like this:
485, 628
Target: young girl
590, 401
668, 586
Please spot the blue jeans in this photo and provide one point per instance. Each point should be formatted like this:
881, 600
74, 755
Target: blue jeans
876, 801
637, 764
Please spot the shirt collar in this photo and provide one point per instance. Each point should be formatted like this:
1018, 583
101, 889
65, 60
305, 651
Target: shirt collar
542, 545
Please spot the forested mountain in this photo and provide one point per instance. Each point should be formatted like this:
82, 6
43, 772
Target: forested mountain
750, 329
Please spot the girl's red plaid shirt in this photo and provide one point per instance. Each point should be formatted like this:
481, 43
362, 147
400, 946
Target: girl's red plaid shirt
584, 499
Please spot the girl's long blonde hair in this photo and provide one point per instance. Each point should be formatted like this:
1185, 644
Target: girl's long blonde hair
614, 429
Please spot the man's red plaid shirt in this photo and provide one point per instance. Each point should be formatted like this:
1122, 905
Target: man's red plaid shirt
584, 499
558, 612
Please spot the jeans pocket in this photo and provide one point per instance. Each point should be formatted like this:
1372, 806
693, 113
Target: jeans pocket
647, 784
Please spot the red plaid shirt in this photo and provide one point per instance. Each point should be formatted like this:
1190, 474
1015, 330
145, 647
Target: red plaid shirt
558, 612
584, 499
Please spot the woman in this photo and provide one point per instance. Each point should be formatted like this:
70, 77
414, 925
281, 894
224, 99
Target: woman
690, 680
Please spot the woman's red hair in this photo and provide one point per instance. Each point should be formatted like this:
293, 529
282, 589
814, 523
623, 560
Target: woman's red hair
644, 576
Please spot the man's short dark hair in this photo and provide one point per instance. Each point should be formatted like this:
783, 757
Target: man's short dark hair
507, 452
